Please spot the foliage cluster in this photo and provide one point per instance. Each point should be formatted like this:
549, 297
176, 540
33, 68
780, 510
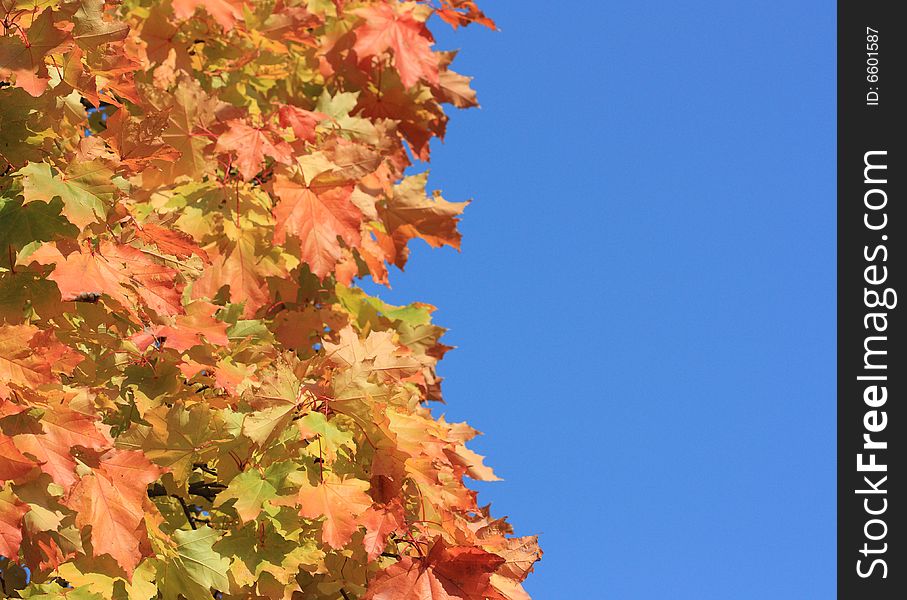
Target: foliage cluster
196, 400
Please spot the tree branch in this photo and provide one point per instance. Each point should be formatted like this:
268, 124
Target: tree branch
186, 511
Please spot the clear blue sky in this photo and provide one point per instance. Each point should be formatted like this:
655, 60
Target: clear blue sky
644, 304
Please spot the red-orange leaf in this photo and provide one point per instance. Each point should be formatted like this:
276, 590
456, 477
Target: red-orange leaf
302, 122
138, 141
447, 573
410, 213
195, 327
11, 513
379, 523
459, 13
385, 28
126, 274
317, 217
111, 500
240, 270
339, 501
170, 241
29, 356
23, 55
225, 12
53, 441
251, 145
13, 464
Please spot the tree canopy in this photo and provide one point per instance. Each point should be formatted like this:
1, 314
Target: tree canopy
196, 398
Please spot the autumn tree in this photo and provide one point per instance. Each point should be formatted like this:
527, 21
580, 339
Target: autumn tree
196, 399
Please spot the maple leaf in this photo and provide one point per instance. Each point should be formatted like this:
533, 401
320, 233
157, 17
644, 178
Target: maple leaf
13, 464
274, 406
419, 116
29, 356
11, 513
519, 554
379, 523
410, 214
175, 437
447, 573
387, 28
53, 439
302, 122
19, 142
170, 241
250, 491
126, 274
36, 221
111, 500
85, 190
317, 217
339, 501
378, 354
191, 111
76, 76
507, 589
195, 567
472, 463
240, 270
330, 439
459, 13
251, 145
138, 141
92, 29
24, 56
453, 87
225, 12
196, 327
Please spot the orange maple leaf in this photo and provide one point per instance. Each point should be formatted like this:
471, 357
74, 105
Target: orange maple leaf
28, 357
11, 512
379, 522
317, 216
459, 13
339, 501
196, 327
447, 573
138, 141
225, 12
409, 214
13, 464
52, 440
23, 56
112, 501
123, 272
301, 121
387, 28
170, 241
251, 145
240, 270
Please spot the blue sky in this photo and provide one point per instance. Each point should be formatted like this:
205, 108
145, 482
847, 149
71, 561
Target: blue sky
644, 304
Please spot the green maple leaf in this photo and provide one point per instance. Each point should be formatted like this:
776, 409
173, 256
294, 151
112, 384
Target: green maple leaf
196, 569
24, 294
331, 439
85, 192
19, 139
366, 308
21, 224
250, 491
174, 440
53, 591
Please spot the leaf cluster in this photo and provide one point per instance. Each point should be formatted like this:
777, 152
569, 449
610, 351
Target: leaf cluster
196, 400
